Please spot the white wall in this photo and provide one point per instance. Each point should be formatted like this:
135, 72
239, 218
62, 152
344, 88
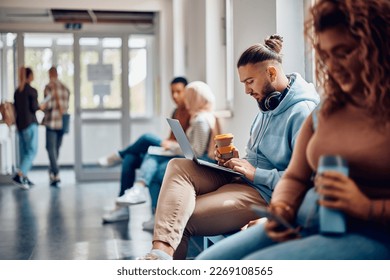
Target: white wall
205, 45
253, 20
215, 62
290, 20
196, 40
165, 60
179, 18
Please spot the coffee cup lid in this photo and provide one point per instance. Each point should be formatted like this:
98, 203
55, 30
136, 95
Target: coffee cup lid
223, 136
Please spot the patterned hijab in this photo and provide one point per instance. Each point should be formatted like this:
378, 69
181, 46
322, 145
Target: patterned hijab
200, 98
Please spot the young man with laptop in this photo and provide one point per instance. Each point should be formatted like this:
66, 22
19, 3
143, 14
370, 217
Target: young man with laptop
200, 200
188, 151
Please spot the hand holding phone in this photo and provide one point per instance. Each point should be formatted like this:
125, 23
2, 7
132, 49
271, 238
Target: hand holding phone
265, 212
277, 227
46, 99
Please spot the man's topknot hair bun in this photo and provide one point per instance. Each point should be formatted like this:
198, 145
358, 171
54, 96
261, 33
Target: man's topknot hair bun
274, 43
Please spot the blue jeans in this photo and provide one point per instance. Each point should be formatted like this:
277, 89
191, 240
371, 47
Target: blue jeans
132, 158
53, 145
28, 147
362, 241
155, 185
149, 167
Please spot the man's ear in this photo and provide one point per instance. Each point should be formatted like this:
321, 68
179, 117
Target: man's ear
271, 72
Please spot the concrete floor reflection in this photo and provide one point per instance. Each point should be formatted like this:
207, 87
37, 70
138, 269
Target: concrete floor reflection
47, 223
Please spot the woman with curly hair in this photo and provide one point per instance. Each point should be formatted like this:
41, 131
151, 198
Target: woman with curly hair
351, 39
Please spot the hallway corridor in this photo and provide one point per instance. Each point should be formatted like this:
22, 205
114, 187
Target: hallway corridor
47, 223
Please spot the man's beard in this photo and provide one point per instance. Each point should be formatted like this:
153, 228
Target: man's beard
267, 89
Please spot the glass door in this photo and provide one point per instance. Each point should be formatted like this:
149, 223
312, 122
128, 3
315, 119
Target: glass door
7, 66
40, 52
102, 125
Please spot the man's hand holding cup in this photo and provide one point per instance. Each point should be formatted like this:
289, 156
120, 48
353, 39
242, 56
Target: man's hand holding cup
225, 149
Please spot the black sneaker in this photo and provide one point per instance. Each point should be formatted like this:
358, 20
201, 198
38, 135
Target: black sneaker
55, 182
20, 182
29, 182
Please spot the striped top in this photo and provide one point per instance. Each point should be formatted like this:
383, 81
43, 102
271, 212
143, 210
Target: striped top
199, 133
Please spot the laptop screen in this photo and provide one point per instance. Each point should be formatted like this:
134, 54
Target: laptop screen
182, 139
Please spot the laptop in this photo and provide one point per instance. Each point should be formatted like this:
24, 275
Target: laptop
187, 150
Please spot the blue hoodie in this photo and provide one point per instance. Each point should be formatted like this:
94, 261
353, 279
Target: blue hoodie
273, 135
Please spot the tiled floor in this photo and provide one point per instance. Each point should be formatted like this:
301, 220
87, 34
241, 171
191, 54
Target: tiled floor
47, 223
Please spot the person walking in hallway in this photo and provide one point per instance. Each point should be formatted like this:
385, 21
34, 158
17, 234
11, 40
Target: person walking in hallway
56, 105
26, 104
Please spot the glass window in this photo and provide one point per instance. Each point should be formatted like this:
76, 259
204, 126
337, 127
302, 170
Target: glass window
87, 57
112, 56
112, 43
89, 41
7, 69
101, 72
139, 77
135, 42
40, 61
31, 41
137, 82
42, 51
66, 41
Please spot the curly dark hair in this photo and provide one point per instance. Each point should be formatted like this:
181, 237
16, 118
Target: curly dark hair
368, 21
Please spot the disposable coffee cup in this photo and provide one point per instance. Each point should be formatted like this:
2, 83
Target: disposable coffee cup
225, 145
332, 221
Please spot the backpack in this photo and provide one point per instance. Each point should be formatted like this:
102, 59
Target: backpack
7, 112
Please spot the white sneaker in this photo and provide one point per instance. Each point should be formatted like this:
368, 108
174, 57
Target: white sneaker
117, 215
132, 196
110, 160
156, 254
149, 257
148, 225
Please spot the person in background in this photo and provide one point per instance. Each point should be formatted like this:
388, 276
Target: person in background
199, 101
26, 104
352, 44
56, 103
198, 200
132, 156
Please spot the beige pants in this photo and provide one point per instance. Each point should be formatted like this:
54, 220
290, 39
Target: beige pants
198, 200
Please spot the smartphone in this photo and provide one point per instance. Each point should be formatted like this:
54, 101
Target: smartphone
265, 212
47, 98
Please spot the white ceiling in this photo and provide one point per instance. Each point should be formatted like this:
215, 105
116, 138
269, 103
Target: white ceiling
120, 5
25, 15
